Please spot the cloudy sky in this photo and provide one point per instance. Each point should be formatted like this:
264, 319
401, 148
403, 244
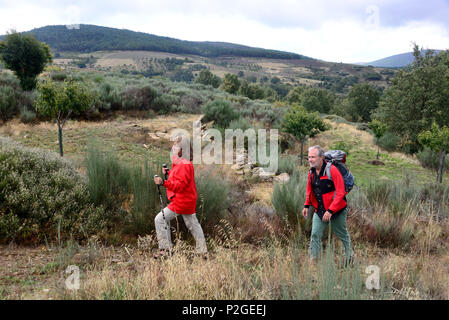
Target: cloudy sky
331, 30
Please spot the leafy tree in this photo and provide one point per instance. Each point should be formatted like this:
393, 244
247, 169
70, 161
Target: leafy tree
315, 99
25, 56
59, 100
417, 97
363, 100
208, 78
379, 129
437, 139
295, 95
251, 90
231, 83
301, 124
182, 76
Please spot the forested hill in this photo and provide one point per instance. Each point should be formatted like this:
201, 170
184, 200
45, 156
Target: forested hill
89, 38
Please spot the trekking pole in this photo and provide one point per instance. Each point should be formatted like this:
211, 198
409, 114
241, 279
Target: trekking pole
164, 166
162, 210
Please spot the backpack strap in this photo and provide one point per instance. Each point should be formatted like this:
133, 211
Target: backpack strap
327, 169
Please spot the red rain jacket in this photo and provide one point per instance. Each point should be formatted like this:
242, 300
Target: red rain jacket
333, 191
181, 188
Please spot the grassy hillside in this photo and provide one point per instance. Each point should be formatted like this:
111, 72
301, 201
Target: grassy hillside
110, 49
90, 38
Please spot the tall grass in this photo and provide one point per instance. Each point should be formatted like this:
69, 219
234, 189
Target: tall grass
288, 164
288, 201
108, 178
213, 198
127, 190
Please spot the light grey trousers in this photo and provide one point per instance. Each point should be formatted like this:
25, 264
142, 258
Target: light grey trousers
163, 229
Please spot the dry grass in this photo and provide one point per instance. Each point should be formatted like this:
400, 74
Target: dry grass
233, 271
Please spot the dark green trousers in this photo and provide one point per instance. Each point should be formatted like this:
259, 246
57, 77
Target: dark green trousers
338, 226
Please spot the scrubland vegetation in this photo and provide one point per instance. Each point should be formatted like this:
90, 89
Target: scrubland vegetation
95, 206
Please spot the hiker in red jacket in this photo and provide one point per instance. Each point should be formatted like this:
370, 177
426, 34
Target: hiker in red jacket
181, 192
328, 197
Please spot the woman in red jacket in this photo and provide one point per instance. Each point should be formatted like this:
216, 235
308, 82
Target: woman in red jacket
181, 192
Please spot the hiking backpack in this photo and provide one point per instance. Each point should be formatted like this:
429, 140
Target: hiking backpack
338, 159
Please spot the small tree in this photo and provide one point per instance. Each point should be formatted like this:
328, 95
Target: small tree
59, 100
437, 139
363, 100
208, 78
316, 99
379, 129
25, 56
301, 124
231, 83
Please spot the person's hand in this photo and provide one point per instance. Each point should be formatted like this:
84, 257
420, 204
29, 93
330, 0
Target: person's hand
165, 170
305, 212
158, 180
327, 216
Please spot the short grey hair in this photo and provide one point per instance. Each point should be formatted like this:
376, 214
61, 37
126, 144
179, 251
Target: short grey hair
320, 150
186, 146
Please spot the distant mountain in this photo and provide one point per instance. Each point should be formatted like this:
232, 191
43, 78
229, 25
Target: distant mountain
89, 38
396, 61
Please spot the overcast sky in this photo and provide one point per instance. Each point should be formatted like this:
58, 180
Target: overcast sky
331, 30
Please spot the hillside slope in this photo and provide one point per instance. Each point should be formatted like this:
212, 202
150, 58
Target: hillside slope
89, 38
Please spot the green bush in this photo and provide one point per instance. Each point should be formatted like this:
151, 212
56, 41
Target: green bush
240, 123
221, 112
165, 103
213, 199
378, 192
288, 164
389, 141
8, 103
112, 183
108, 97
145, 204
288, 200
27, 116
39, 190
135, 98
430, 159
58, 76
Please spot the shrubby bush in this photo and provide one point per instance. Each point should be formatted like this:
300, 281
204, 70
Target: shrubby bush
430, 159
39, 192
288, 200
27, 116
213, 199
8, 103
12, 97
112, 183
389, 141
221, 112
288, 164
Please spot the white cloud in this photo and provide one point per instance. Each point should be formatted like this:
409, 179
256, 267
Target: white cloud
329, 30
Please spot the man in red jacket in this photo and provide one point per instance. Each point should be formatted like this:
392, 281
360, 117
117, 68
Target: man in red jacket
181, 192
328, 197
